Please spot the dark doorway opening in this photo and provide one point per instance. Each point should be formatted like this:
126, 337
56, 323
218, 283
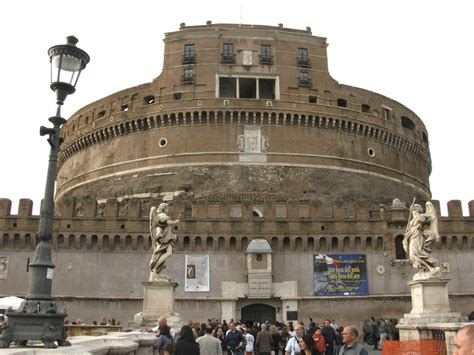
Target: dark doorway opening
258, 313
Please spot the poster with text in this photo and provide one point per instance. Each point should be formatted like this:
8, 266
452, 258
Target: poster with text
340, 275
196, 273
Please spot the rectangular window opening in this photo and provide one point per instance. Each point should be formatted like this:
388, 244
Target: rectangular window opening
188, 76
266, 54
227, 87
266, 89
387, 113
248, 88
228, 55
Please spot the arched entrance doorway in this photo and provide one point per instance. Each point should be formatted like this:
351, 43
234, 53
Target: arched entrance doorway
258, 313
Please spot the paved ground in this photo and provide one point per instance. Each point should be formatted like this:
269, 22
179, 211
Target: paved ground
371, 351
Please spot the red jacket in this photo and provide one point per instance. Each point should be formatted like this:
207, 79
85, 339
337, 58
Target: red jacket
320, 342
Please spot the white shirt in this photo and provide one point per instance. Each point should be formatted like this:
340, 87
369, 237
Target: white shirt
293, 346
249, 342
156, 330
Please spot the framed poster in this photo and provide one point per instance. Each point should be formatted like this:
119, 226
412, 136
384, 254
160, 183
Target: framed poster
340, 275
196, 273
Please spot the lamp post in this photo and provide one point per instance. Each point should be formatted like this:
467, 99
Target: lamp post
37, 318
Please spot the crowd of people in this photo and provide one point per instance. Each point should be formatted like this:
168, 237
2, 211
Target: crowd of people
104, 321
253, 338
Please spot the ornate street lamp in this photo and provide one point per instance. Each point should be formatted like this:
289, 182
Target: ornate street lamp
37, 318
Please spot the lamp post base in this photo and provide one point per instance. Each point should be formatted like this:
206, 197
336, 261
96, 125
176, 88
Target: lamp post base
46, 327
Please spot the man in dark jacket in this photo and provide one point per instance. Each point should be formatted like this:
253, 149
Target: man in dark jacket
329, 335
234, 338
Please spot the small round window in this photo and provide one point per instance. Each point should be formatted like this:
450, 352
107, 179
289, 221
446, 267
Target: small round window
163, 142
371, 152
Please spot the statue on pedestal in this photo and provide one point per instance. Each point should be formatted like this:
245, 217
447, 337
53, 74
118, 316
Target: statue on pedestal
162, 236
422, 230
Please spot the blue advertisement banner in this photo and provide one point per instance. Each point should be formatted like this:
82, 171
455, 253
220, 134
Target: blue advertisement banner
340, 275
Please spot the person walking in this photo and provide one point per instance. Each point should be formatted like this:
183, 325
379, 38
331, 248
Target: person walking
263, 345
276, 340
329, 335
320, 341
307, 346
351, 346
164, 338
249, 342
293, 345
186, 345
209, 345
234, 339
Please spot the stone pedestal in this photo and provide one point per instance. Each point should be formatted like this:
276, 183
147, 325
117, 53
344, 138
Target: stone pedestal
430, 306
158, 301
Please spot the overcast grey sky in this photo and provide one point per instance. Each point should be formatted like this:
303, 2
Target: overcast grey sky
419, 53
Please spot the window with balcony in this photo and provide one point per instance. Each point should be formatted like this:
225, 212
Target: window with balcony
304, 79
303, 58
266, 57
188, 76
189, 54
228, 54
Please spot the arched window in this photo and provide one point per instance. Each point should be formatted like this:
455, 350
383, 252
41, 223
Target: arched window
186, 243
334, 243
357, 243
299, 244
407, 123
346, 243
221, 244
286, 244
243, 243
368, 243
209, 243
257, 212
379, 245
274, 243
322, 243
399, 251
117, 242
82, 242
94, 242
128, 242
198, 244
233, 244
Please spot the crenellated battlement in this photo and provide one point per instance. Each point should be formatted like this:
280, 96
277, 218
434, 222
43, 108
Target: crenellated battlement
232, 206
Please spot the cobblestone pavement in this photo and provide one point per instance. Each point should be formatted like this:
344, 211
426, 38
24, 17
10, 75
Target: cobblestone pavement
371, 351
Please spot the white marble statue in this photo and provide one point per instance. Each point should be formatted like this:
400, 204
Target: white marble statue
422, 231
162, 236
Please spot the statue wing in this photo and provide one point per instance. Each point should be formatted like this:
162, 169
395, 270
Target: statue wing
431, 230
152, 228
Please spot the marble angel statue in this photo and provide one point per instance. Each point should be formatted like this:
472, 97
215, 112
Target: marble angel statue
421, 232
162, 236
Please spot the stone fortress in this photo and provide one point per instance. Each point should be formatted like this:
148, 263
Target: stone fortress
271, 162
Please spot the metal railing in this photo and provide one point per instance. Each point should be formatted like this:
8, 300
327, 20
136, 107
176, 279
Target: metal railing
266, 59
303, 62
189, 59
188, 79
228, 58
